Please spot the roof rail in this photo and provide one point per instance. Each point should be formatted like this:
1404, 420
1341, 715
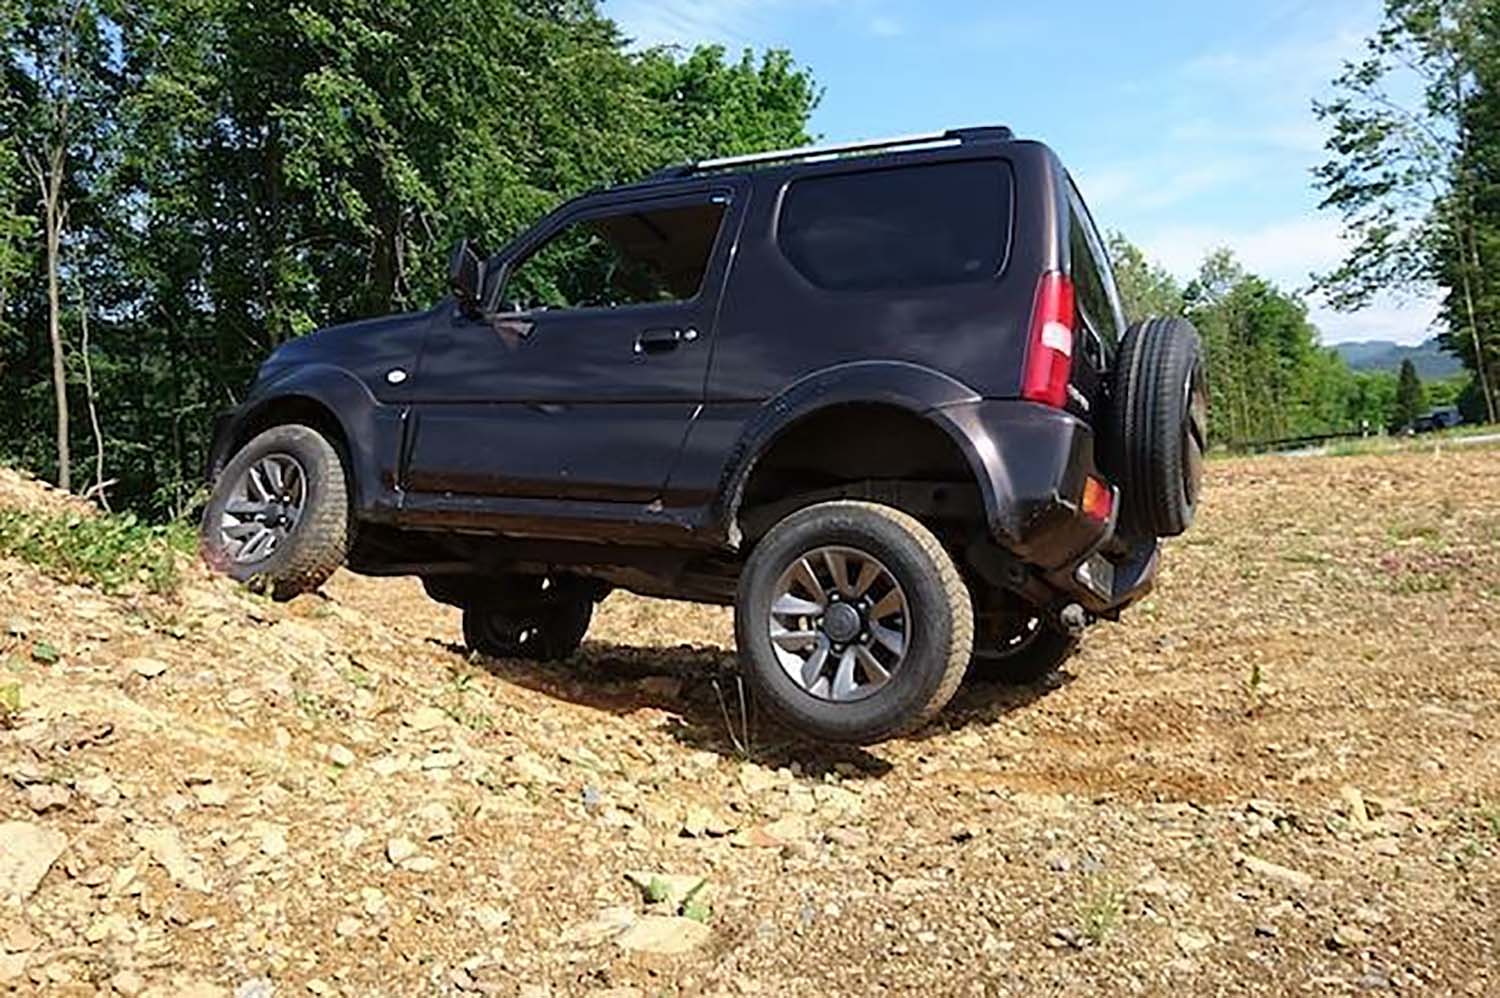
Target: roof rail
952, 136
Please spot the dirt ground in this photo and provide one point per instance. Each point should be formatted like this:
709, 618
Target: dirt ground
1280, 775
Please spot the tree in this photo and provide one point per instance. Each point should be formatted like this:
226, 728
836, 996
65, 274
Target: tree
1146, 288
1402, 174
267, 168
57, 60
1410, 399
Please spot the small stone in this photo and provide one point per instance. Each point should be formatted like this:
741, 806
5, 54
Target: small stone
425, 719
44, 797
911, 886
592, 798
441, 760
20, 939
1192, 943
372, 900
347, 926
100, 789
664, 935
27, 852
353, 838
849, 837
318, 986
490, 919
1267, 931
420, 864
211, 795
1354, 806
273, 841
341, 756
704, 823
12, 966
609, 922
148, 668
399, 851
792, 828
756, 779
166, 848
255, 987
1275, 871
128, 983
1349, 937
200, 989
435, 821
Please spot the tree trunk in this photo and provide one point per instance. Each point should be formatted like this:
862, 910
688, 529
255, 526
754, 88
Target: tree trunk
1481, 364
54, 210
100, 486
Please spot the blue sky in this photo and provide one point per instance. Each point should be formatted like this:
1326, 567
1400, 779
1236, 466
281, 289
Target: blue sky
1187, 124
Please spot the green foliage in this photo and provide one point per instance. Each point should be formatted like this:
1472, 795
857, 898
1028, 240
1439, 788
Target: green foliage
110, 552
1146, 288
1414, 170
1411, 400
273, 168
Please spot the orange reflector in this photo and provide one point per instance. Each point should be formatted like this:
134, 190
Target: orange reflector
1098, 500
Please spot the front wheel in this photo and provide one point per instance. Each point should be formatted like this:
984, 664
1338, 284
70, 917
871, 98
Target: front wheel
1021, 649
853, 623
279, 513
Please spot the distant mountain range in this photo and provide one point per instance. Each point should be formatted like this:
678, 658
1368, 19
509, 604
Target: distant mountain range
1382, 355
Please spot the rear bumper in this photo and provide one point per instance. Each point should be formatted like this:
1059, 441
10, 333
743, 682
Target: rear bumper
1035, 461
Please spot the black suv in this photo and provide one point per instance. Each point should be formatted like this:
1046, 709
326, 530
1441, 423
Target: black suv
880, 397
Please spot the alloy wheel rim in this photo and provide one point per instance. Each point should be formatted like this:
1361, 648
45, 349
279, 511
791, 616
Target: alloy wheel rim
264, 508
839, 623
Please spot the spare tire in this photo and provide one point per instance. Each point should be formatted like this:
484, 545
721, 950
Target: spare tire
1158, 427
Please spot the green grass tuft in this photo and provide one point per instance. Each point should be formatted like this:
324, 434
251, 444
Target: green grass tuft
109, 552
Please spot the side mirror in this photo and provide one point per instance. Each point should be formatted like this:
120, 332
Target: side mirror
465, 275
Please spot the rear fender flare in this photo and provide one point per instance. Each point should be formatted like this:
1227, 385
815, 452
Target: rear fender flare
919, 390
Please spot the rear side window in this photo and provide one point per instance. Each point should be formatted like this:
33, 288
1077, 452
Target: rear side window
632, 257
909, 227
1091, 273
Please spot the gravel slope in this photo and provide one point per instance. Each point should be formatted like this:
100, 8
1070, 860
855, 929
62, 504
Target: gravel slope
1279, 775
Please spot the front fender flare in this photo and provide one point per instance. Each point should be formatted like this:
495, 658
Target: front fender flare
370, 429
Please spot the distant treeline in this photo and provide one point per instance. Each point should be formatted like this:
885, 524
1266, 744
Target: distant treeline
1269, 377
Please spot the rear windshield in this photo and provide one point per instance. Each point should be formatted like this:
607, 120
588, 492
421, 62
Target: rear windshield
906, 227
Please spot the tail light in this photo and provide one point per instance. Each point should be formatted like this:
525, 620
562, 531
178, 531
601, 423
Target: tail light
1049, 347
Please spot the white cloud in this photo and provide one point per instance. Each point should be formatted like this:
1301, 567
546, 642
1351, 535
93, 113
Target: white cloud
732, 23
1286, 252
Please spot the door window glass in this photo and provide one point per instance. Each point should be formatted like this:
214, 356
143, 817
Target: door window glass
634, 257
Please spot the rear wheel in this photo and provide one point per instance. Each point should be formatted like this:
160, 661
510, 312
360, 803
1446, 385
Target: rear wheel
279, 513
852, 622
1158, 433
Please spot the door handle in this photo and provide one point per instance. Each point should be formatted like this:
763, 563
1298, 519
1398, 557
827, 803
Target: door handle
663, 339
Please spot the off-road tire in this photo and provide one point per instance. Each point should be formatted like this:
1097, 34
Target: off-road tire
940, 624
320, 541
1041, 656
1157, 434
542, 631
